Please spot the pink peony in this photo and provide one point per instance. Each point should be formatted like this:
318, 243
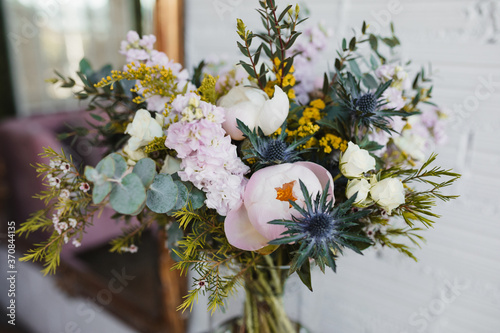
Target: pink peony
266, 198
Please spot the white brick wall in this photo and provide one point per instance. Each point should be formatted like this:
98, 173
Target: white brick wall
455, 287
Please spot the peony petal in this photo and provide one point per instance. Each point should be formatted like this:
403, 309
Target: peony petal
323, 176
274, 112
260, 195
245, 112
240, 232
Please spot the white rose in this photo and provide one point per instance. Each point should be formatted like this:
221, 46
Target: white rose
143, 129
254, 108
388, 193
362, 188
133, 155
356, 161
171, 165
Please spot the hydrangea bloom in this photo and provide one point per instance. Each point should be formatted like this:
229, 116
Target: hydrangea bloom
209, 160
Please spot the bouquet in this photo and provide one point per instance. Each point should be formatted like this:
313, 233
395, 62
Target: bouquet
256, 171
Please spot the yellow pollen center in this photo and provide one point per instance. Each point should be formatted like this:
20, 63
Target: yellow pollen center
285, 193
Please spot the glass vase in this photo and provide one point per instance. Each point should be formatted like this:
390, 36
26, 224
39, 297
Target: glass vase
263, 310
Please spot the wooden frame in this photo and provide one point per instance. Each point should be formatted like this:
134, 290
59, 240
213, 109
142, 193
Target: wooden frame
169, 28
169, 31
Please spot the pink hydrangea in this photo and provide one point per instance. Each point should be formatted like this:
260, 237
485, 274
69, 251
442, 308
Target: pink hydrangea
209, 159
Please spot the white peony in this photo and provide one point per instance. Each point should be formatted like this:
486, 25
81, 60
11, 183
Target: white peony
254, 108
388, 193
362, 188
356, 161
143, 129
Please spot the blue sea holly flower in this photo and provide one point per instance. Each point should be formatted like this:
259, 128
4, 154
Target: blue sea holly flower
321, 230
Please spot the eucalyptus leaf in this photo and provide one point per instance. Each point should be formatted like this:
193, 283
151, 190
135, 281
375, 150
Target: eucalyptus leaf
100, 192
106, 167
146, 170
182, 195
162, 194
128, 196
120, 165
196, 198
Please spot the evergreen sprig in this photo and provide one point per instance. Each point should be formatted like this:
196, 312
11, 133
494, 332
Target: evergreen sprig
280, 34
419, 204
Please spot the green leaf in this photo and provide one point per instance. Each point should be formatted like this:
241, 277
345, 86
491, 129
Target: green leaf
120, 165
85, 67
97, 117
355, 69
91, 174
352, 44
304, 272
175, 234
100, 192
373, 42
106, 167
146, 170
182, 195
128, 196
374, 62
197, 198
370, 82
162, 194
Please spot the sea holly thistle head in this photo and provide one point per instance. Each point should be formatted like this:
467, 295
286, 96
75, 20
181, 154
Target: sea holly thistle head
366, 108
267, 150
322, 230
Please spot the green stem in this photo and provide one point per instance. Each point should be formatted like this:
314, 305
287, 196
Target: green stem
337, 176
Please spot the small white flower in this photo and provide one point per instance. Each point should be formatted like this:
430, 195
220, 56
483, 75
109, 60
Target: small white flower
55, 219
65, 167
63, 225
132, 248
72, 222
55, 163
55, 182
389, 193
76, 242
85, 187
201, 285
370, 231
64, 194
356, 161
66, 239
